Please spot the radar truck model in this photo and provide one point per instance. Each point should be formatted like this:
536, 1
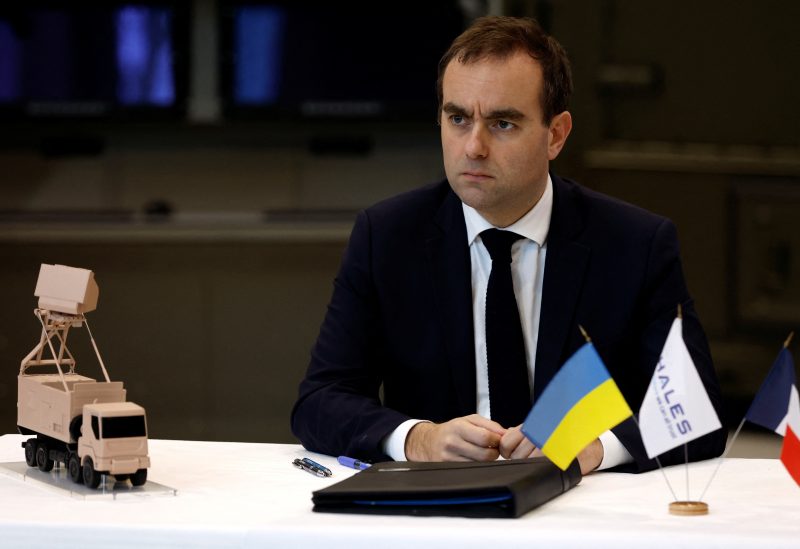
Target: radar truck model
85, 424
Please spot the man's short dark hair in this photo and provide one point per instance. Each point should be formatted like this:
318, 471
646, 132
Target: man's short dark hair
502, 36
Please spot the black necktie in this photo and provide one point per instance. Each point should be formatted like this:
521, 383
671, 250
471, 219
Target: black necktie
509, 390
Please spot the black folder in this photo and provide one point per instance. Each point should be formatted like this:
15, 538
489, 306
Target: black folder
500, 489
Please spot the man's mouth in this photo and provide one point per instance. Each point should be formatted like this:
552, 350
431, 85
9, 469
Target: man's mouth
476, 176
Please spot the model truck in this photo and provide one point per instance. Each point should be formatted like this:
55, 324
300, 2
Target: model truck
85, 424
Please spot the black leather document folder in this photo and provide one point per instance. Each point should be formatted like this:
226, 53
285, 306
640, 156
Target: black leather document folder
506, 489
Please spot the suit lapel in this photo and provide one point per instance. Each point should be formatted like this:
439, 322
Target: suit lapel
448, 257
565, 269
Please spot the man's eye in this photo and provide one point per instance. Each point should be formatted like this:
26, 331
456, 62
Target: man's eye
456, 119
504, 125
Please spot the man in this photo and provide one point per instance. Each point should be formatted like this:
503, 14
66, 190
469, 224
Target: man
408, 311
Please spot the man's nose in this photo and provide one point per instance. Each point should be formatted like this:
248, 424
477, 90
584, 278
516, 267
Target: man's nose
477, 145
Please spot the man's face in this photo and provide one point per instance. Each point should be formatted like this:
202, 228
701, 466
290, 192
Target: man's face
496, 146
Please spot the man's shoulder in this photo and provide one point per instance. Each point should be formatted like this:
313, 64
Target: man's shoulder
430, 195
414, 206
606, 209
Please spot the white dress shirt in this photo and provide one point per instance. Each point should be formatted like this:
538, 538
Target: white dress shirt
527, 272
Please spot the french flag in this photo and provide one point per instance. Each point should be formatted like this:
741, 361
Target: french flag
790, 451
776, 406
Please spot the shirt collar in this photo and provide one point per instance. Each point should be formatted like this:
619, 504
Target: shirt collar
534, 225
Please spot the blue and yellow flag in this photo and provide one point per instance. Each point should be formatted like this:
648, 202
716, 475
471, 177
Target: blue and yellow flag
579, 404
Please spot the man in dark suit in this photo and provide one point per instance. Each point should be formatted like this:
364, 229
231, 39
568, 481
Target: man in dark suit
408, 309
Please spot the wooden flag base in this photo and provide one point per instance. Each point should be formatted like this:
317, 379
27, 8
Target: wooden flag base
686, 508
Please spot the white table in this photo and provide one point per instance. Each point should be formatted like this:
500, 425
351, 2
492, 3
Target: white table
249, 495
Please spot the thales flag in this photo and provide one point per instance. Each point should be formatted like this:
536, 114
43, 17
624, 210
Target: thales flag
577, 406
776, 406
676, 408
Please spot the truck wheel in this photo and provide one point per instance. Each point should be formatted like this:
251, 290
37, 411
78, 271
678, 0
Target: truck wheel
75, 427
139, 477
91, 478
43, 459
74, 467
30, 452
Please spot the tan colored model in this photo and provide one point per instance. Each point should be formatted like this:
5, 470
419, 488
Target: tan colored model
78, 421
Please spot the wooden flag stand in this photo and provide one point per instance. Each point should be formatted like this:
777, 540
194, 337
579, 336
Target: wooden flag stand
685, 508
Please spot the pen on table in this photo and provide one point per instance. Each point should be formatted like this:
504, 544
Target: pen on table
313, 469
352, 463
319, 466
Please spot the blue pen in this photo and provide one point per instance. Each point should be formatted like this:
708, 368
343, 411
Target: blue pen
308, 467
352, 463
318, 466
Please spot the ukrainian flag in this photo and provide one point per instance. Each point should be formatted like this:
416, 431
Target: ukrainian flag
578, 405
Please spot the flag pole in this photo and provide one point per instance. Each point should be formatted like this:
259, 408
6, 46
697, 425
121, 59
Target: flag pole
739, 428
660, 467
686, 461
723, 456
685, 444
688, 507
633, 416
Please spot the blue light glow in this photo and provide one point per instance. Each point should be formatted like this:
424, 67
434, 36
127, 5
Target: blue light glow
144, 56
10, 88
258, 48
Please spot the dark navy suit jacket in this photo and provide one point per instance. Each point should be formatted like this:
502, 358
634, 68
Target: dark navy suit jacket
397, 340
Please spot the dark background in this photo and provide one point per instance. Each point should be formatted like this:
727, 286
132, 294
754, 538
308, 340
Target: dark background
215, 229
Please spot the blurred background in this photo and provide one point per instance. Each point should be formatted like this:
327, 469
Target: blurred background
206, 159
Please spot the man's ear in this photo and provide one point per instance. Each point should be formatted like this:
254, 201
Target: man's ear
560, 126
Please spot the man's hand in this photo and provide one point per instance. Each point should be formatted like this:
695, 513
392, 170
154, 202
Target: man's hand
591, 457
515, 445
470, 438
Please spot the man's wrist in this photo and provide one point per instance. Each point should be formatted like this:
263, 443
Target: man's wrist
614, 453
591, 457
394, 444
415, 447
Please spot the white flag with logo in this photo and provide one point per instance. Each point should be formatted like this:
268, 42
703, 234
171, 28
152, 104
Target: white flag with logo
676, 407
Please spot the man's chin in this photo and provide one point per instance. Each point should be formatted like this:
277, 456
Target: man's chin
473, 196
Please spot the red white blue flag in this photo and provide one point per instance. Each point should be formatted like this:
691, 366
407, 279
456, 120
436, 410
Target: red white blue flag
776, 406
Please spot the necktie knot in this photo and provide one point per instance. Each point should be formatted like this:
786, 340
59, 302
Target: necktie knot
498, 243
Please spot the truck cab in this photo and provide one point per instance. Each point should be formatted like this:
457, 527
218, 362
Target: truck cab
113, 441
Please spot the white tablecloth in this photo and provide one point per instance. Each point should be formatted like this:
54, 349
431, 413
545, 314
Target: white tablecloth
249, 495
